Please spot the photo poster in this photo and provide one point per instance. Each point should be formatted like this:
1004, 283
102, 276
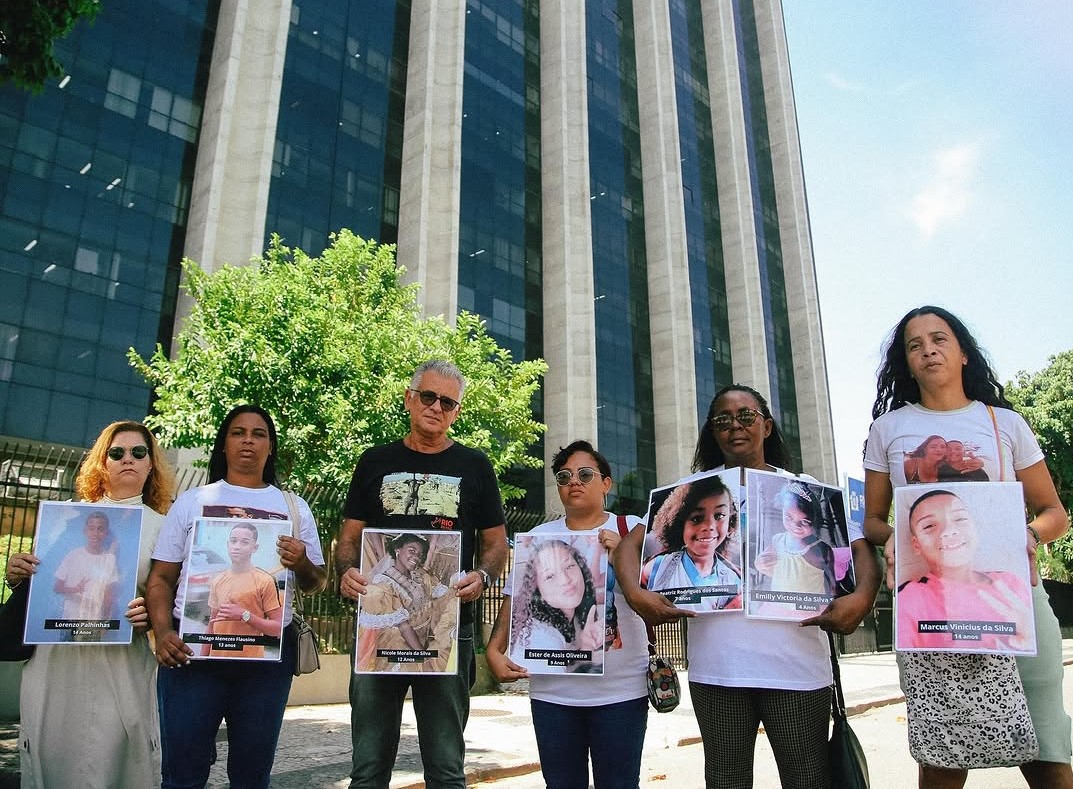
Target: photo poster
797, 552
87, 575
962, 573
232, 567
692, 548
407, 621
558, 598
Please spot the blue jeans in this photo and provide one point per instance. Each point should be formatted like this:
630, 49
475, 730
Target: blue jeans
612, 734
441, 706
251, 696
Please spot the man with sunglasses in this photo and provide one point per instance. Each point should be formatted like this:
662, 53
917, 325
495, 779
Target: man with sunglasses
424, 481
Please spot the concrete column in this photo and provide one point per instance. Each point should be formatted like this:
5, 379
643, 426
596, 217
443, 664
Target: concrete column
226, 222
802, 299
569, 313
747, 332
674, 382
432, 153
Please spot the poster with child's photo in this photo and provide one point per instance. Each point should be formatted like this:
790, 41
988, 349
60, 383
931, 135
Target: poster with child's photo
797, 551
87, 575
962, 570
408, 616
235, 589
692, 550
558, 593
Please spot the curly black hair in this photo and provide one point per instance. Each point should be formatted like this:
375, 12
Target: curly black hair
669, 521
896, 387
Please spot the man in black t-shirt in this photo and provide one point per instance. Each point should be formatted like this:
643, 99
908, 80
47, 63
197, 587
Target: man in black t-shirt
424, 481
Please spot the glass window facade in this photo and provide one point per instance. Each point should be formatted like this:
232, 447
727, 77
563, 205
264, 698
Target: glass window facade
707, 277
623, 349
338, 151
500, 232
769, 242
95, 182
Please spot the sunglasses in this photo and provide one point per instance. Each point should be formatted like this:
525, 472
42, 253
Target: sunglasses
744, 416
137, 452
585, 475
428, 397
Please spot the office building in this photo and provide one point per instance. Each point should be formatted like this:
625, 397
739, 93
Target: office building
614, 185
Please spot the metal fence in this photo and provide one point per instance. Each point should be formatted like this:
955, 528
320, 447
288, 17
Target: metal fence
29, 474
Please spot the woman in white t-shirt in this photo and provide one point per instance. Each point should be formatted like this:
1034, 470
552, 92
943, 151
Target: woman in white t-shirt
580, 717
744, 672
195, 696
935, 381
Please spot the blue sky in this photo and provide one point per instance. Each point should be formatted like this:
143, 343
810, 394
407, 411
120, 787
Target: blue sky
938, 151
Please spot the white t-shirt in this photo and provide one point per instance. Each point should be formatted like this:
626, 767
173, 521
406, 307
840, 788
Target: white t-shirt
899, 432
624, 669
173, 544
733, 651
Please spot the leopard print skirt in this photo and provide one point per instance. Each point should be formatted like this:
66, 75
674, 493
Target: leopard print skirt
966, 711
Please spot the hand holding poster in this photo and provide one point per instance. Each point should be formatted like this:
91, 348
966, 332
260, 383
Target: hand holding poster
408, 616
557, 603
87, 575
797, 546
692, 552
233, 607
962, 569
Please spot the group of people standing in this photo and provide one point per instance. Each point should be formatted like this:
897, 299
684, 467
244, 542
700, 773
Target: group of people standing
90, 715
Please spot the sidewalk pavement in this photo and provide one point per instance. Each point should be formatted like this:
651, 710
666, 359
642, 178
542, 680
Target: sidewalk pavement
314, 745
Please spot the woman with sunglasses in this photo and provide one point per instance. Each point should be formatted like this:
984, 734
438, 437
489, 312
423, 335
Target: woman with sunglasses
600, 718
251, 695
89, 713
744, 672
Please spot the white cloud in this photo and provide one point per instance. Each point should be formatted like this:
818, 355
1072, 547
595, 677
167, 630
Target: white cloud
842, 83
948, 192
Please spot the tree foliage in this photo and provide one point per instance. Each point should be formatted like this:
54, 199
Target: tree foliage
1045, 399
28, 29
328, 345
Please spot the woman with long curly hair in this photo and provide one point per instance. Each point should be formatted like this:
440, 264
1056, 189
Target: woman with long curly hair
935, 380
601, 719
89, 713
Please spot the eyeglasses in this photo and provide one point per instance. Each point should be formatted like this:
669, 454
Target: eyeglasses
744, 416
585, 475
137, 452
428, 397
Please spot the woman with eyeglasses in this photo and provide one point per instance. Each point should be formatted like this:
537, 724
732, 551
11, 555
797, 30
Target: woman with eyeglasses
89, 712
746, 672
597, 718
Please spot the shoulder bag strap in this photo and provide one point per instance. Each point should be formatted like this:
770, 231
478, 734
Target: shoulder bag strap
998, 445
838, 701
292, 507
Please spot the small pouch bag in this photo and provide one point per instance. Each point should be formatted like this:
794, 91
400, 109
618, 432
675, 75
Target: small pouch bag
664, 690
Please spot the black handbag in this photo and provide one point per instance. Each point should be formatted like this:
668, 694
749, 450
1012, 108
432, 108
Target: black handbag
13, 625
849, 767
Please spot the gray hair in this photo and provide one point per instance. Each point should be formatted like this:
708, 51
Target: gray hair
441, 368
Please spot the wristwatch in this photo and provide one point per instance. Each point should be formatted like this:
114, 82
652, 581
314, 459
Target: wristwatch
246, 616
485, 578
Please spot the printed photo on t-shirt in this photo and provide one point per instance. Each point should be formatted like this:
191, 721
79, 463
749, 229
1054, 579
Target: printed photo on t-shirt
420, 494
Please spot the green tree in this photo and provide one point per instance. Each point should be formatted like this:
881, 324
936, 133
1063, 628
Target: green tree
327, 345
28, 29
1045, 399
